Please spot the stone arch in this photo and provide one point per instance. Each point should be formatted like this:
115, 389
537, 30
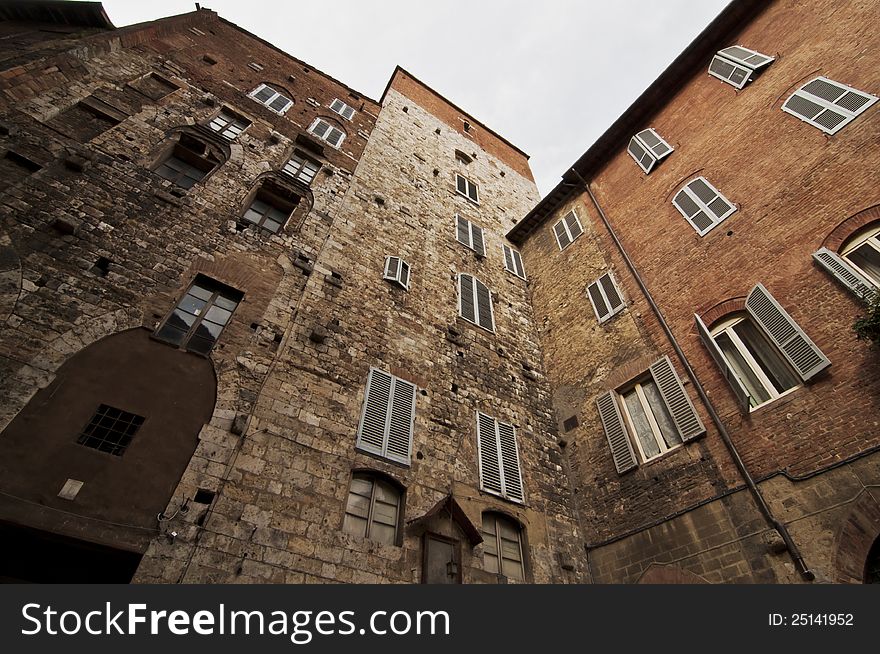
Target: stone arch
854, 539
658, 573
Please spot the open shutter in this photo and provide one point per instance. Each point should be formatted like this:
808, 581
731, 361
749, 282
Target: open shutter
400, 423
657, 145
513, 487
508, 258
392, 265
599, 305
484, 306
462, 230
615, 301
845, 273
677, 401
749, 58
742, 395
404, 274
487, 443
371, 434
807, 359
517, 260
479, 244
827, 104
561, 235
615, 431
467, 301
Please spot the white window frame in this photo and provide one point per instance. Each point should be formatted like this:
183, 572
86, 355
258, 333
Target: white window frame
571, 239
397, 276
502, 476
604, 294
471, 229
331, 127
650, 152
652, 421
870, 236
469, 185
476, 320
849, 115
516, 257
233, 124
703, 206
294, 168
749, 68
345, 110
268, 101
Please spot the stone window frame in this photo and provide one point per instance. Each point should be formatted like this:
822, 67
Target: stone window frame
181, 144
279, 193
228, 120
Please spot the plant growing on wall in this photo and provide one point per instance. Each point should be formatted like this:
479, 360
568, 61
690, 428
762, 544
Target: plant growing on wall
868, 326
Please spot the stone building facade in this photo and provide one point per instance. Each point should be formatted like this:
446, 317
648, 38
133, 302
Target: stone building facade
258, 327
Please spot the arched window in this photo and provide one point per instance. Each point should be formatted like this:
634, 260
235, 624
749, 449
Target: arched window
872, 564
374, 508
188, 160
269, 206
863, 252
503, 551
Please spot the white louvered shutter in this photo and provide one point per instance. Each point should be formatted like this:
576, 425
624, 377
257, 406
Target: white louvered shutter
513, 261
484, 306
561, 235
605, 297
731, 72
386, 425
518, 263
641, 154
513, 486
742, 395
615, 432
508, 258
682, 410
371, 434
702, 205
845, 273
827, 104
404, 274
647, 148
400, 422
489, 459
467, 298
807, 359
263, 93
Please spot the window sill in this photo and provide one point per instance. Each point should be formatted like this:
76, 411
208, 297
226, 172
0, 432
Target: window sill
782, 400
661, 457
470, 322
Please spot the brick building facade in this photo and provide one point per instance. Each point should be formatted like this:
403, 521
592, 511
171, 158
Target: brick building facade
257, 327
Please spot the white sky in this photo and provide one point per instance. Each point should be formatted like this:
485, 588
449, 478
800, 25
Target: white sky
549, 76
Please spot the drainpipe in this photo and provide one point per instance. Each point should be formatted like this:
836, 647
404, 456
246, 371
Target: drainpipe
765, 509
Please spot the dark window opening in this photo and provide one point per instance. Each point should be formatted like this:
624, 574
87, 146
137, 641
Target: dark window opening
204, 496
200, 316
872, 565
269, 209
189, 162
101, 267
110, 430
85, 120
14, 168
153, 86
570, 423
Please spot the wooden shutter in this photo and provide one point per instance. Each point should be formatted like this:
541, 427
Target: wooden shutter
749, 58
484, 306
461, 185
574, 226
729, 71
517, 261
508, 258
598, 301
652, 140
606, 299
400, 423
702, 205
280, 103
615, 432
641, 154
677, 401
462, 230
477, 236
371, 434
807, 359
466, 298
512, 478
827, 104
263, 93
742, 395
561, 235
487, 444
845, 273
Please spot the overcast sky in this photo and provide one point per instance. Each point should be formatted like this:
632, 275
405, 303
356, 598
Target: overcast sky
549, 76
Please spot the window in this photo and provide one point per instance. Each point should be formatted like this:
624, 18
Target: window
199, 318
475, 302
859, 269
272, 98
737, 65
863, 252
153, 86
228, 124
373, 509
342, 109
498, 458
397, 270
470, 235
467, 188
87, 119
462, 158
702, 205
110, 430
269, 209
567, 229
654, 411
301, 168
188, 162
502, 546
827, 104
386, 426
326, 132
872, 564
647, 148
606, 299
763, 352
513, 261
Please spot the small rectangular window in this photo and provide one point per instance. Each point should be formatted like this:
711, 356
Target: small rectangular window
272, 98
200, 317
827, 104
301, 168
605, 297
475, 302
342, 109
326, 132
647, 148
498, 456
737, 65
702, 205
386, 426
86, 119
513, 261
229, 124
110, 430
567, 229
397, 270
470, 235
189, 162
467, 188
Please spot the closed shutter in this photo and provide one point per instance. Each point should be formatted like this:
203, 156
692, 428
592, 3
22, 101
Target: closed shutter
702, 205
742, 395
658, 146
400, 423
606, 299
490, 467
574, 226
461, 184
561, 235
845, 273
280, 103
615, 432
371, 435
484, 306
320, 129
479, 244
513, 487
807, 359
513, 261
827, 104
641, 154
677, 401
467, 298
462, 230
335, 137
263, 93
734, 74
